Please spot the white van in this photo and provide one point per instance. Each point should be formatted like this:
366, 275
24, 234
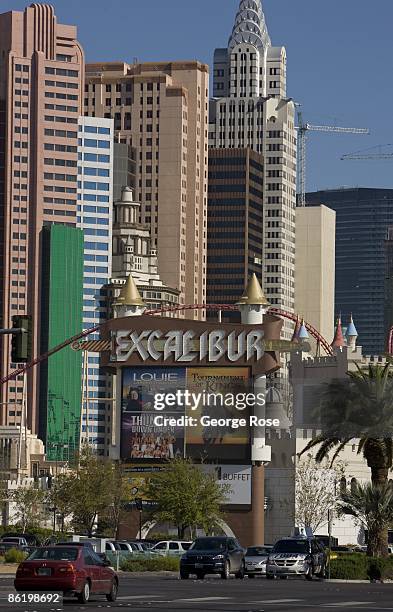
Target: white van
171, 547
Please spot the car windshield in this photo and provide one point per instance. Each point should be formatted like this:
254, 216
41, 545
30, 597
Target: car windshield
208, 544
186, 545
54, 554
258, 551
291, 546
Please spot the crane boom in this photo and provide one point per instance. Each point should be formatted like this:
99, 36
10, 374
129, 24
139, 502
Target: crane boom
303, 128
357, 156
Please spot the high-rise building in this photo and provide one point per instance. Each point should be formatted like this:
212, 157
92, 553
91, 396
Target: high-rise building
61, 317
133, 255
315, 267
41, 83
234, 223
250, 109
363, 217
161, 109
95, 183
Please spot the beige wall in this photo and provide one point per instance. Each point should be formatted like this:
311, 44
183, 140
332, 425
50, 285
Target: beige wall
315, 267
161, 110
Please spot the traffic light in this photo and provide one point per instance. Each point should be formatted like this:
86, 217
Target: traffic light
22, 340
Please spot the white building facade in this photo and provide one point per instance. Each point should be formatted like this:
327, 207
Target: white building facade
95, 186
250, 108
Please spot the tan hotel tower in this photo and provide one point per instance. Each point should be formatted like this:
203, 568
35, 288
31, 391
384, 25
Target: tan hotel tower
161, 109
41, 80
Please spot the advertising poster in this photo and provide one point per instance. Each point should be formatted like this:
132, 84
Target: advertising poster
219, 443
238, 477
141, 439
136, 476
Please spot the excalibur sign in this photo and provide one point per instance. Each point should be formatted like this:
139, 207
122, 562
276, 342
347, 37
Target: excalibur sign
186, 347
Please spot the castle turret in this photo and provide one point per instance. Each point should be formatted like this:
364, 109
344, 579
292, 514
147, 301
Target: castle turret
338, 340
351, 334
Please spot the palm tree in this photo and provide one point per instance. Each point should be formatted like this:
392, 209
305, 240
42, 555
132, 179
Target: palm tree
361, 408
372, 506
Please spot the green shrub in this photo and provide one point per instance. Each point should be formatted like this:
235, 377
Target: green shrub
357, 566
349, 567
160, 564
14, 556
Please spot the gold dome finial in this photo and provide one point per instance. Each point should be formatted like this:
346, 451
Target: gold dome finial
129, 295
253, 295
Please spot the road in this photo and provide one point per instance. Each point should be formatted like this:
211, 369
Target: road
165, 592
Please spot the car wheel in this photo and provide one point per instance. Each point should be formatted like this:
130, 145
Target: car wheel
251, 575
283, 577
112, 595
84, 595
240, 574
200, 575
309, 575
225, 574
270, 576
184, 575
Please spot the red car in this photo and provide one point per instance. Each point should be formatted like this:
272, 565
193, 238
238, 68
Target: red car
72, 570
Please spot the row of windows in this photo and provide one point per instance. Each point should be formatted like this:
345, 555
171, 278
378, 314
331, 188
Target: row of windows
91, 129
59, 201
60, 96
91, 197
94, 171
95, 157
69, 163
94, 209
71, 178
61, 119
97, 144
96, 269
92, 257
94, 186
94, 221
60, 148
60, 133
66, 85
61, 71
61, 107
96, 246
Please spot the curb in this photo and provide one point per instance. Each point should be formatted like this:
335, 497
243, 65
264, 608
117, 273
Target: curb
356, 581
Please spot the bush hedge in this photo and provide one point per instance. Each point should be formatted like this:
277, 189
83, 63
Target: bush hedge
160, 564
357, 566
14, 556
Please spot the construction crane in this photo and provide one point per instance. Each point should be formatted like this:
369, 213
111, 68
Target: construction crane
303, 128
371, 153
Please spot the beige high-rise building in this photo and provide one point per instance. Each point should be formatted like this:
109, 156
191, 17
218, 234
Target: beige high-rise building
41, 84
161, 109
315, 267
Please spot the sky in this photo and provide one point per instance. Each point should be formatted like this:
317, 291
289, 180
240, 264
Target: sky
339, 62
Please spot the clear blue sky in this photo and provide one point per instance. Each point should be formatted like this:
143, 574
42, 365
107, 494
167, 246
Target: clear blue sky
340, 56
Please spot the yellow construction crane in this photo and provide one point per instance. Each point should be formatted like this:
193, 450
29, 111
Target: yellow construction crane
303, 128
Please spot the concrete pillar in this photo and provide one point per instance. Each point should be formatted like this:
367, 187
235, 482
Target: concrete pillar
258, 503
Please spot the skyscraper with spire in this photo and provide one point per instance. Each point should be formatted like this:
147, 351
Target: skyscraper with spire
250, 109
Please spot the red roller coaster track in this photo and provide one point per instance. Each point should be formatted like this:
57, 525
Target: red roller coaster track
213, 307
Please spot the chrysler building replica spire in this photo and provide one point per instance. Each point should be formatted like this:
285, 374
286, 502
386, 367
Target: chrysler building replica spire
250, 109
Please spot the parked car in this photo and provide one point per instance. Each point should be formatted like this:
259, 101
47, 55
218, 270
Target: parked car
256, 558
111, 547
127, 547
30, 538
140, 547
296, 557
73, 570
18, 541
213, 555
171, 547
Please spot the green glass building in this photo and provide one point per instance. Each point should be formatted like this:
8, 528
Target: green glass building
62, 306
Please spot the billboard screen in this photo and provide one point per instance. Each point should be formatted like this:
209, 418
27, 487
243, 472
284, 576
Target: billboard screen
141, 439
221, 443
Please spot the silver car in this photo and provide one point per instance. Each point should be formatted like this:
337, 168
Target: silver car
296, 557
256, 557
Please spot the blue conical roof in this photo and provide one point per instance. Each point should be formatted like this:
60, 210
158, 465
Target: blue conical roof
351, 329
303, 333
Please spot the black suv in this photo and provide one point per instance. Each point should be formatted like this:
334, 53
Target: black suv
213, 555
300, 556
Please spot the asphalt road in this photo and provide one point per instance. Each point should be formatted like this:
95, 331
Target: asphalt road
162, 592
